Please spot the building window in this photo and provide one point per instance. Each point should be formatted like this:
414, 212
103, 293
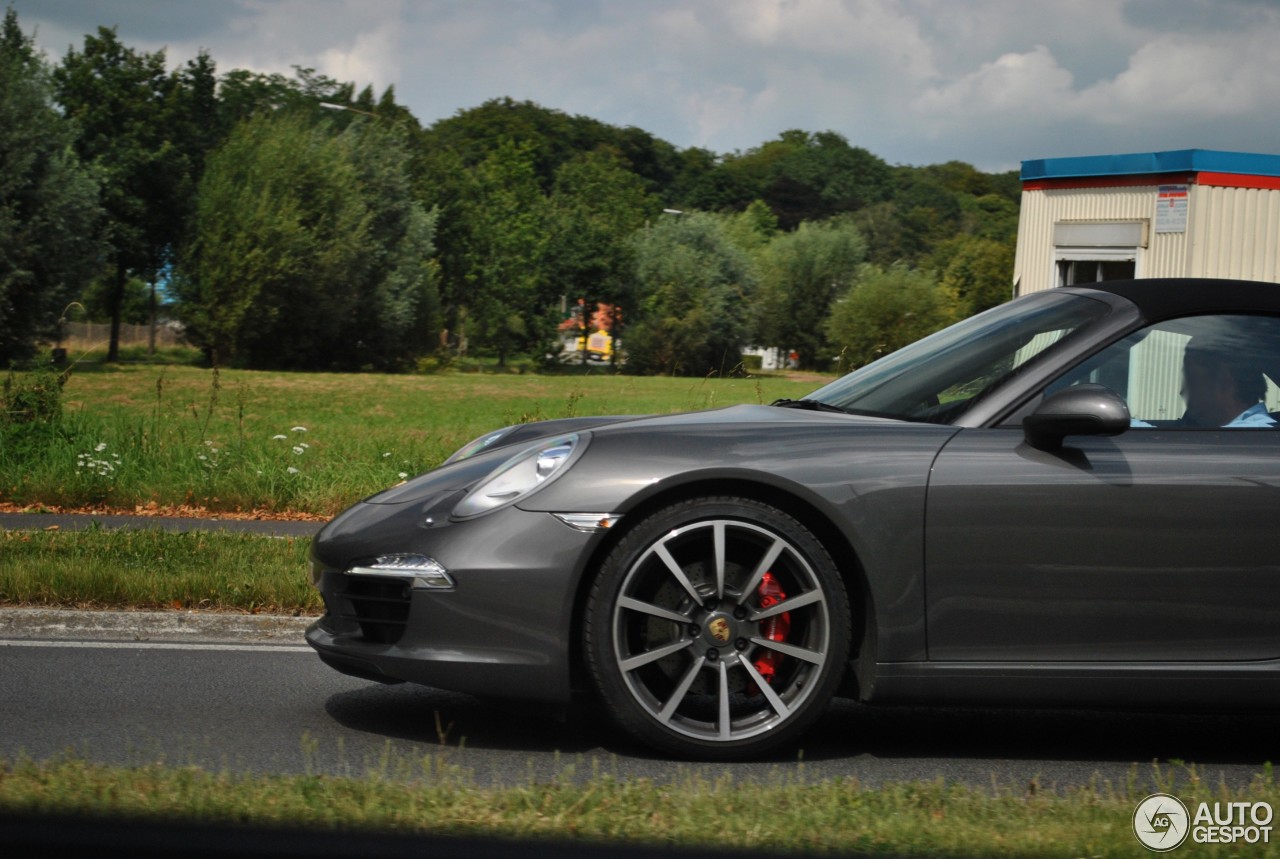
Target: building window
1071, 271
1089, 252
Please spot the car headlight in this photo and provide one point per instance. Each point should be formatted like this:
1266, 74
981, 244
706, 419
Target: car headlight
529, 470
478, 445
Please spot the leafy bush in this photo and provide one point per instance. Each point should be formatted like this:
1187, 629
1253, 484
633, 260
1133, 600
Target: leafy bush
32, 398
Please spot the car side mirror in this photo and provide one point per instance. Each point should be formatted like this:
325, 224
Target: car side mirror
1078, 410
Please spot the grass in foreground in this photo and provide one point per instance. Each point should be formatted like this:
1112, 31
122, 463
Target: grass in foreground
156, 569
228, 440
786, 814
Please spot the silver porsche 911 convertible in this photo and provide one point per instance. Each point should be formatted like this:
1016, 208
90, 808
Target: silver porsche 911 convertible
1069, 500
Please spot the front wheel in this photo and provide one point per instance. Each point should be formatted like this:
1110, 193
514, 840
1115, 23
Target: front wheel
717, 628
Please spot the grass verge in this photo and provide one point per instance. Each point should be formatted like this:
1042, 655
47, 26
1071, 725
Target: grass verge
784, 814
156, 569
126, 436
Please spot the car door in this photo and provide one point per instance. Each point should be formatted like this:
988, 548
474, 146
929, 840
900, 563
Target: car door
1158, 544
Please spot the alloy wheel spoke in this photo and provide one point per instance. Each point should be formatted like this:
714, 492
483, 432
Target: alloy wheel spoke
804, 599
724, 725
649, 608
717, 532
761, 568
640, 660
812, 656
678, 574
682, 689
762, 684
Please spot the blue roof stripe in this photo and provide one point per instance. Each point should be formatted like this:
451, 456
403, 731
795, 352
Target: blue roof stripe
1139, 163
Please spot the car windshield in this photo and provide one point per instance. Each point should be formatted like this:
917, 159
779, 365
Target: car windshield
939, 378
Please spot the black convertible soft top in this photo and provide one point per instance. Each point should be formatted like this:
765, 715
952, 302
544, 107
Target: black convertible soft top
1160, 298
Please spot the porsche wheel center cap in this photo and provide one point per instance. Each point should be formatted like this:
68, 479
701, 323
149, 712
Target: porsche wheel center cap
719, 629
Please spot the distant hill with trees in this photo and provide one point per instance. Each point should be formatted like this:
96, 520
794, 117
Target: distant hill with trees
293, 222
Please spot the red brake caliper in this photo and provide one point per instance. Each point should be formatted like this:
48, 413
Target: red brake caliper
773, 628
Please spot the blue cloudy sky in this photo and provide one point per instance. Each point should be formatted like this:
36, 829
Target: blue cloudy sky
991, 82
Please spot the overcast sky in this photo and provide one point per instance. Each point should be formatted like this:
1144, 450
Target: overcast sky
991, 82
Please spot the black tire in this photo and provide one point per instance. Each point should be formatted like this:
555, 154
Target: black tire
684, 640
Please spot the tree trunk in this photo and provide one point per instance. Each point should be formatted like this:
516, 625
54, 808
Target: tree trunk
151, 343
117, 308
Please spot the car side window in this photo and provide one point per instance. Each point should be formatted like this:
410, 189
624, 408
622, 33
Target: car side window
1197, 372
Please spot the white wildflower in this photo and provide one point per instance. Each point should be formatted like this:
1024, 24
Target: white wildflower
403, 475
100, 447
291, 470
278, 437
299, 450
297, 429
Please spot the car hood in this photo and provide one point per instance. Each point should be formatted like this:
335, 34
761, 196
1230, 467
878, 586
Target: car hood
464, 473
796, 450
722, 417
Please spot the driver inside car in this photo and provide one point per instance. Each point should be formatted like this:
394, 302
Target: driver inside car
1221, 388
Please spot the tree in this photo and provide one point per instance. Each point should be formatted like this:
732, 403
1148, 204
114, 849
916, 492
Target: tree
595, 206
886, 309
505, 218
693, 284
48, 201
551, 138
310, 250
243, 93
979, 275
136, 309
118, 99
279, 236
805, 176
753, 228
801, 275
399, 302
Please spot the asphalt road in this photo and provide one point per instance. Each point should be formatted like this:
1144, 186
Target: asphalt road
275, 708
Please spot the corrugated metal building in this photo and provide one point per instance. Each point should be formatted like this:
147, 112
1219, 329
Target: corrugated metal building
1186, 213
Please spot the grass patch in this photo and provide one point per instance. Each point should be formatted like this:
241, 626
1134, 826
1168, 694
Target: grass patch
156, 569
428, 795
243, 440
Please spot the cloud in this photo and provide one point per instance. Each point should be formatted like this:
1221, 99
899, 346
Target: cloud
1224, 76
1031, 82
1169, 82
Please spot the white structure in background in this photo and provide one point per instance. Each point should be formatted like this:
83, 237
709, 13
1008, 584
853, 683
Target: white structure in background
770, 359
1187, 213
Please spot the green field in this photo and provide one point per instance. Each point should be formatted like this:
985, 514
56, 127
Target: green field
242, 440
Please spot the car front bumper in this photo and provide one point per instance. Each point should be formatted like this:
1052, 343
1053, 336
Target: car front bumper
504, 630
